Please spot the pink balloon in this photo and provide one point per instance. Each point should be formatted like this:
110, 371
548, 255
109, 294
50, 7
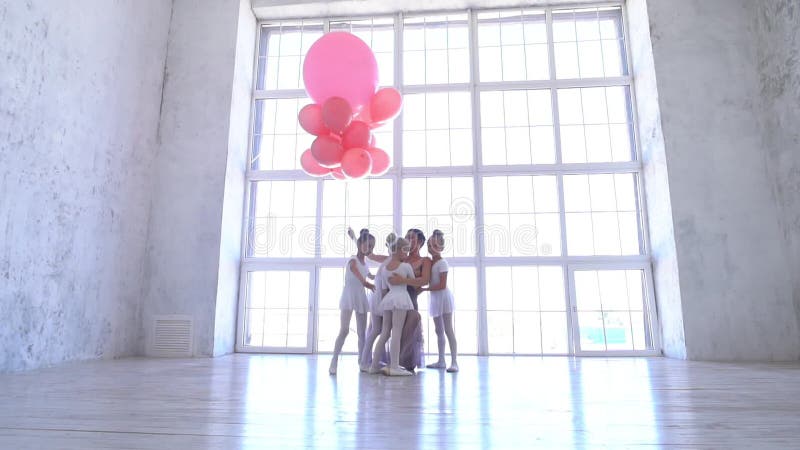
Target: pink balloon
311, 166
356, 163
337, 114
385, 105
381, 161
356, 135
328, 151
340, 65
338, 174
310, 118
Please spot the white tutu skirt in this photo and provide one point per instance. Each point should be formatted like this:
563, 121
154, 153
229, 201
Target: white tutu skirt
396, 299
441, 302
355, 299
375, 303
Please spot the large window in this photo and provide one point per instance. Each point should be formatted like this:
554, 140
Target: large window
517, 140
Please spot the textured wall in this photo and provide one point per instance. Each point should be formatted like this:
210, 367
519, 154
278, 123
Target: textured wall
656, 184
778, 29
185, 234
233, 203
80, 89
735, 281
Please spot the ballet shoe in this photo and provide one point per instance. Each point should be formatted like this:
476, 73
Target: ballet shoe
364, 367
437, 365
453, 368
332, 370
374, 370
398, 372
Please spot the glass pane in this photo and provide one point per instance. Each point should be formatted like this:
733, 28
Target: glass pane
588, 43
513, 130
444, 203
610, 309
282, 222
276, 309
437, 129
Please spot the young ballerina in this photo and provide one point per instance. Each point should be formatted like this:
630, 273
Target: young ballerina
412, 343
441, 302
395, 305
354, 298
375, 311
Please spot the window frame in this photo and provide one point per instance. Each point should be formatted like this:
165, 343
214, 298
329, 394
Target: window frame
477, 171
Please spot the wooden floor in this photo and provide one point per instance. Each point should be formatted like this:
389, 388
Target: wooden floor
282, 401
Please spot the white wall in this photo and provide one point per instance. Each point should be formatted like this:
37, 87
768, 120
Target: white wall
192, 266
735, 281
80, 89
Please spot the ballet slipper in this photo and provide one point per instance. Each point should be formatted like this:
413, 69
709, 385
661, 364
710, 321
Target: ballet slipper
374, 370
453, 368
437, 365
365, 367
398, 372
332, 370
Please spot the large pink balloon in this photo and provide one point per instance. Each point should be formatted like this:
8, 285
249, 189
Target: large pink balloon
310, 118
356, 135
311, 166
328, 151
381, 161
356, 163
340, 65
336, 114
385, 105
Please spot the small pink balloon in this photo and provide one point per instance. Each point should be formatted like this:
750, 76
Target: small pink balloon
310, 118
311, 166
356, 135
327, 151
356, 163
339, 64
337, 114
385, 105
381, 161
338, 174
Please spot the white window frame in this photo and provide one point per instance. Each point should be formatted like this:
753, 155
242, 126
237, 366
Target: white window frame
477, 170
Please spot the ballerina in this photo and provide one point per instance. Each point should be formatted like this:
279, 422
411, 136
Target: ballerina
395, 305
354, 298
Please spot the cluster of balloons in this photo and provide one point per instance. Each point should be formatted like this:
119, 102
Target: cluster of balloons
341, 75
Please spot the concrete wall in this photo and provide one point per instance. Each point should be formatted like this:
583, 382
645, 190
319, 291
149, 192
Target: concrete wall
736, 284
778, 28
80, 89
200, 138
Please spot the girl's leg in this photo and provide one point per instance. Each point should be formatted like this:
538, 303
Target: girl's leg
374, 332
386, 330
451, 338
398, 320
344, 328
438, 322
361, 328
409, 344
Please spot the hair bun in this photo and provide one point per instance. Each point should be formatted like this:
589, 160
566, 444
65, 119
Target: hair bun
391, 238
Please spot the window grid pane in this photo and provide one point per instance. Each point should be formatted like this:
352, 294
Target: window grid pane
526, 310
610, 306
276, 313
521, 217
282, 219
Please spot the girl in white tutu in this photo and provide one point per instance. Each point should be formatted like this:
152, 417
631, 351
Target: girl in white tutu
354, 297
441, 302
395, 305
